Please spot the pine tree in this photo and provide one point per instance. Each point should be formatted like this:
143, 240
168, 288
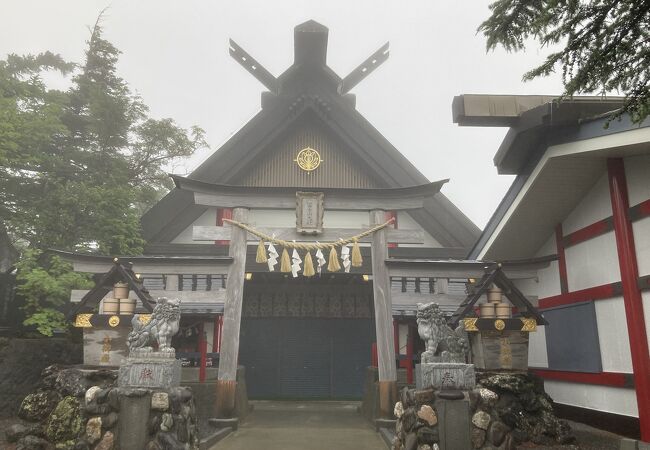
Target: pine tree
605, 44
77, 169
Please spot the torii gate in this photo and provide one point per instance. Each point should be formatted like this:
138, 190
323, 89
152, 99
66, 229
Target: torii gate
244, 198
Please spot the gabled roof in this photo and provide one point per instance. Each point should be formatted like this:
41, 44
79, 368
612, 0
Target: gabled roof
309, 87
496, 276
117, 273
553, 181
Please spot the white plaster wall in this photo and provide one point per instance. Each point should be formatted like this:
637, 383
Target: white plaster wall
209, 217
613, 336
592, 263
645, 296
529, 287
602, 398
406, 222
641, 230
637, 172
594, 206
549, 278
537, 354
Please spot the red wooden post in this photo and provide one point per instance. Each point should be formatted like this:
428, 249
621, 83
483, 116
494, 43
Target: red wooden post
409, 354
631, 293
223, 213
561, 259
374, 360
220, 333
396, 337
215, 336
203, 348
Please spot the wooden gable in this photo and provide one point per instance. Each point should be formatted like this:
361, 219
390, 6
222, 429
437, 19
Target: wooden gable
354, 153
339, 167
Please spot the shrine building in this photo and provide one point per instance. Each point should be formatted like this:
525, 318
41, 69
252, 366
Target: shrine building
308, 167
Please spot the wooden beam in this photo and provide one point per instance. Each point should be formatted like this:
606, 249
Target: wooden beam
616, 379
383, 316
450, 269
253, 67
280, 201
601, 292
363, 70
228, 357
212, 233
228, 196
179, 268
186, 297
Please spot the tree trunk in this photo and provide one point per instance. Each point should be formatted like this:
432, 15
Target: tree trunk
8, 253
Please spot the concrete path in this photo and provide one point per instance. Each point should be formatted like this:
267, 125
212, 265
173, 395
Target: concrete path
304, 426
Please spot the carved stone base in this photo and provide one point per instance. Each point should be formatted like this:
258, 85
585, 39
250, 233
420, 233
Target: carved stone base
150, 369
445, 376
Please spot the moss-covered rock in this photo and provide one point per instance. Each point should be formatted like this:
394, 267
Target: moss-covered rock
37, 406
65, 422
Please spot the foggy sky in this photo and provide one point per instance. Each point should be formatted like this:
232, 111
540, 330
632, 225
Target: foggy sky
175, 55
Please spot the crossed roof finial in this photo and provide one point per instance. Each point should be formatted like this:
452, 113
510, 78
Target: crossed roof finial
310, 48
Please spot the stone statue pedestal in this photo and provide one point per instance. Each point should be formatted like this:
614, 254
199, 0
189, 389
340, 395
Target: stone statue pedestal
445, 375
150, 369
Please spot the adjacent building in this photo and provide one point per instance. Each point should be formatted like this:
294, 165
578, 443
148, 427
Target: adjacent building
581, 198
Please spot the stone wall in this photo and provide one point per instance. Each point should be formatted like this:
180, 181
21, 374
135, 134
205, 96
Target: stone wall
82, 409
505, 410
21, 364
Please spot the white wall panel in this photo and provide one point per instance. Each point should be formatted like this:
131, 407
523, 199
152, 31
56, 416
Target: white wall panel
602, 398
549, 278
209, 217
529, 287
592, 263
645, 295
613, 336
406, 222
595, 206
537, 354
641, 230
637, 171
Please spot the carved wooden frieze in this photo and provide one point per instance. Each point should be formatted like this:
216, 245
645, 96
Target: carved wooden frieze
308, 303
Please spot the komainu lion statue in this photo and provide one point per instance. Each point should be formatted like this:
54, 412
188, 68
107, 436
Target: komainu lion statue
164, 323
443, 344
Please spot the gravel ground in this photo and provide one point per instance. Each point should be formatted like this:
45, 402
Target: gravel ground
588, 438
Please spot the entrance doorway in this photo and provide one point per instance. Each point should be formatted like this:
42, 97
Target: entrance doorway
306, 338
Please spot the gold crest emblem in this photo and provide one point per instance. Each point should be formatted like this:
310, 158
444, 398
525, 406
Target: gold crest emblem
308, 159
114, 321
499, 324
